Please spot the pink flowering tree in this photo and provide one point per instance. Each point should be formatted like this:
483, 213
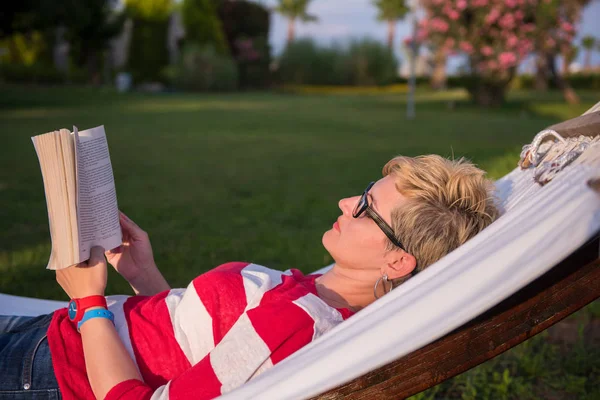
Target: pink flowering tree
496, 35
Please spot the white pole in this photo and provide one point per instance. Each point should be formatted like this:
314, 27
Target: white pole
412, 83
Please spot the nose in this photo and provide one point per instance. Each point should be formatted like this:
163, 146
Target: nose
347, 205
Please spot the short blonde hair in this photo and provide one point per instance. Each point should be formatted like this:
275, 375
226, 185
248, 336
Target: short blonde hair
449, 202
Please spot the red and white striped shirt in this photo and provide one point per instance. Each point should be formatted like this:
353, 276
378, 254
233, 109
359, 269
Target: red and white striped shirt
229, 325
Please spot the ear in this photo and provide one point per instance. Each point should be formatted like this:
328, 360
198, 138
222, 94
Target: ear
399, 263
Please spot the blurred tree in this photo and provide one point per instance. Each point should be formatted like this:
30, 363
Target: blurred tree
588, 42
569, 54
555, 22
497, 34
246, 26
390, 11
148, 52
202, 25
90, 26
293, 10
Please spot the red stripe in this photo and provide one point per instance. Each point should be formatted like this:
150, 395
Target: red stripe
158, 354
221, 290
129, 389
68, 363
199, 382
282, 325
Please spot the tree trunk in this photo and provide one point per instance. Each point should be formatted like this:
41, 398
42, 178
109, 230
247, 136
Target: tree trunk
488, 94
438, 75
566, 61
291, 33
391, 33
587, 64
542, 72
561, 83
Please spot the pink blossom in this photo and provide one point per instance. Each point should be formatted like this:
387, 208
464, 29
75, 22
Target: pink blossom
512, 41
480, 3
527, 28
487, 51
507, 59
466, 47
492, 64
453, 14
449, 43
461, 4
507, 21
525, 46
567, 27
519, 15
439, 25
510, 3
550, 42
492, 16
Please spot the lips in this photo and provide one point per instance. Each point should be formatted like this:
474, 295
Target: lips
336, 225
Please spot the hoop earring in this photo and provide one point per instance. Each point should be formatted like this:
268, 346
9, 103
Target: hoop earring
385, 279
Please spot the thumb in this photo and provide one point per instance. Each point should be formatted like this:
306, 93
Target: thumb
96, 256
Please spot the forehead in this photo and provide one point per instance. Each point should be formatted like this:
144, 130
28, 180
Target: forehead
384, 194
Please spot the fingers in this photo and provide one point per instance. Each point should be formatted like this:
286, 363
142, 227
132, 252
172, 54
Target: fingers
96, 256
130, 228
116, 250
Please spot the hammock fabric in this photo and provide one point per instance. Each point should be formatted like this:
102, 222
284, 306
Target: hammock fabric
532, 267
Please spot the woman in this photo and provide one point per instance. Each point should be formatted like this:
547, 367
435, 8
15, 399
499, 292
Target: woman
236, 321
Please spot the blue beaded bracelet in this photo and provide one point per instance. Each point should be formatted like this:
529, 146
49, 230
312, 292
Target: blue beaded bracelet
96, 313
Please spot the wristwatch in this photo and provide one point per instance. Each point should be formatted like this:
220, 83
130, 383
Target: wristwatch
77, 307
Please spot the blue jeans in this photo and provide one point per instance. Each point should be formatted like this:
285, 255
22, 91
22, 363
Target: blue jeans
26, 371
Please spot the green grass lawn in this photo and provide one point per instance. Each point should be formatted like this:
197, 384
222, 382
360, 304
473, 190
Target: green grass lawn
252, 176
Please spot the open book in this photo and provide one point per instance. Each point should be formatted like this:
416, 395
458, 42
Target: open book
80, 194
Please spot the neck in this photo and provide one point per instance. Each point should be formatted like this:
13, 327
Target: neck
342, 288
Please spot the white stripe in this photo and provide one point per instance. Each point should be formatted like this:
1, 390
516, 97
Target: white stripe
325, 317
238, 355
257, 281
161, 393
115, 305
263, 367
192, 324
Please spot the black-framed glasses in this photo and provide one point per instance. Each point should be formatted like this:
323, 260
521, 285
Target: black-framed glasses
363, 206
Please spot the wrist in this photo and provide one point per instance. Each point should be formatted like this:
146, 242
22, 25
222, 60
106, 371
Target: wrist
97, 314
78, 306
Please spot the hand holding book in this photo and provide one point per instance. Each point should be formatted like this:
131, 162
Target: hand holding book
80, 194
134, 259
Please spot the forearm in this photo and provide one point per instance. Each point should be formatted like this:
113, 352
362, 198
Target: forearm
106, 360
150, 282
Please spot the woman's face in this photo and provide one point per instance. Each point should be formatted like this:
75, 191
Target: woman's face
358, 243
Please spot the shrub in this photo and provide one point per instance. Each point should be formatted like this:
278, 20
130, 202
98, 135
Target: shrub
246, 28
201, 68
202, 25
371, 63
148, 52
361, 63
40, 73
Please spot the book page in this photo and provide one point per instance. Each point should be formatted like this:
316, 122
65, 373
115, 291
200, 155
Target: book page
97, 209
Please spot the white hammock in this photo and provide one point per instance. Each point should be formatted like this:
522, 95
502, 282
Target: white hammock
541, 226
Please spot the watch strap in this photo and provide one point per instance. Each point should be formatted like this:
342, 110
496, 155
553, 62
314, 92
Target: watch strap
86, 302
96, 313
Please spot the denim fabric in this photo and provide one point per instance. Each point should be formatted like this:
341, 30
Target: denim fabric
26, 371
